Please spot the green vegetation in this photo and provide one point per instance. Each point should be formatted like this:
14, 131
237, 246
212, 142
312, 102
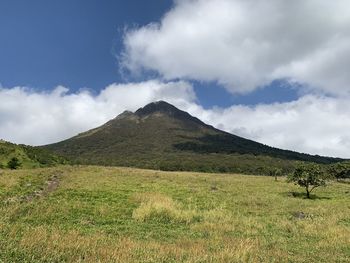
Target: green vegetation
229, 144
15, 156
101, 214
340, 171
14, 163
309, 176
275, 173
160, 136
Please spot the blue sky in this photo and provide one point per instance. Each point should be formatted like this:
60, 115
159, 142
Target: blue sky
72, 43
77, 43
272, 71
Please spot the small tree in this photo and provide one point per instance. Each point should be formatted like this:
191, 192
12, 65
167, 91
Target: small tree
14, 163
309, 176
275, 172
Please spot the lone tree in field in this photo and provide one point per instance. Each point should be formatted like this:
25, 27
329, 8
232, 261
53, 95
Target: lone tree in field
275, 172
309, 176
13, 163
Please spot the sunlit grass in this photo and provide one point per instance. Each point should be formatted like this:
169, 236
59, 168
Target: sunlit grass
100, 214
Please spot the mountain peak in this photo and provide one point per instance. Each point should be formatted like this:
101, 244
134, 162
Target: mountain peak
169, 110
158, 106
125, 114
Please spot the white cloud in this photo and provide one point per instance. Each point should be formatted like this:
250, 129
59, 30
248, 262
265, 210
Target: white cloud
241, 44
38, 118
244, 44
313, 124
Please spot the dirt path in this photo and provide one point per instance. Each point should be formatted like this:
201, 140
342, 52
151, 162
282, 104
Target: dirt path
50, 186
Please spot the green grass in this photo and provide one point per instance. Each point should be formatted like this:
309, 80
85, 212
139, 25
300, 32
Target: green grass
28, 156
99, 214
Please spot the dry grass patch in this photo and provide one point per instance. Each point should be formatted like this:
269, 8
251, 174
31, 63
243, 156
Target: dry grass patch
9, 179
162, 208
71, 246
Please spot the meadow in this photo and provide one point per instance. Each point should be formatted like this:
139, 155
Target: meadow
110, 214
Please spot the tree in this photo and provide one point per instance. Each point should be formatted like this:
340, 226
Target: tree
14, 163
275, 172
309, 176
340, 170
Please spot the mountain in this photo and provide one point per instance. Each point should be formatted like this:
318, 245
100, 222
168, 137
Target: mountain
160, 136
28, 156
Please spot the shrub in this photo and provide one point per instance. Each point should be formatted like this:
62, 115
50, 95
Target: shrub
14, 163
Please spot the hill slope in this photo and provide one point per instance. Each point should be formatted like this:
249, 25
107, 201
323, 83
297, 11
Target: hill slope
28, 156
160, 136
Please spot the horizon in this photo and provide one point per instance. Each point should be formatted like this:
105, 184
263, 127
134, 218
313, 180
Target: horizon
281, 82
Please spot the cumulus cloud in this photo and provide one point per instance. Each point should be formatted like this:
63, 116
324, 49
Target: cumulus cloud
36, 118
244, 44
312, 124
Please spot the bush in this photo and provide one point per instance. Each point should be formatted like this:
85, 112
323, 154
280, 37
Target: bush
14, 163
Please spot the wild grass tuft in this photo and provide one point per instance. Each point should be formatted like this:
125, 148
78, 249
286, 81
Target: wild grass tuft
163, 209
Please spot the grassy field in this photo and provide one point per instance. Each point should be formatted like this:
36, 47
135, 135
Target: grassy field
98, 214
